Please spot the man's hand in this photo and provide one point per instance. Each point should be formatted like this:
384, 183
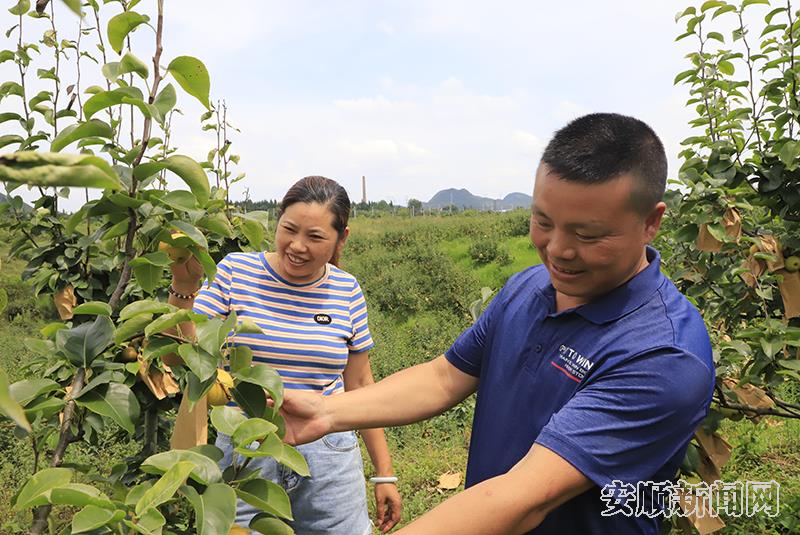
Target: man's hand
306, 417
388, 506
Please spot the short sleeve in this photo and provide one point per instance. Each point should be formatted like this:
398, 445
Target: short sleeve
361, 339
467, 351
631, 420
214, 299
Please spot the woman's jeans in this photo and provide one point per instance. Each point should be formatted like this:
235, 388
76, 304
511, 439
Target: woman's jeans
333, 501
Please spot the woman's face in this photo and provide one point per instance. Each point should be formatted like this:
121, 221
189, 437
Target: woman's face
305, 241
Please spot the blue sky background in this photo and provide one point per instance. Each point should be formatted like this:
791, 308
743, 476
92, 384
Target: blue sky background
417, 96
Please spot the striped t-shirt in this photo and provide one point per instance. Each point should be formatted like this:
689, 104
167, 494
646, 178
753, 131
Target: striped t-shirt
308, 329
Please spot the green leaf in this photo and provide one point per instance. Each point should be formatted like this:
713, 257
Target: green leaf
751, 2
93, 308
115, 401
723, 10
32, 493
165, 488
75, 6
215, 509
110, 70
710, 4
80, 495
183, 166
248, 326
191, 232
293, 459
119, 26
130, 63
202, 363
206, 471
270, 526
158, 258
25, 391
92, 517
267, 496
716, 35
790, 364
149, 523
216, 223
165, 100
148, 110
50, 169
226, 419
180, 200
251, 430
205, 259
788, 152
271, 446
254, 231
11, 88
241, 358
167, 321
82, 344
10, 116
132, 327
9, 406
106, 99
210, 451
251, 398
145, 306
21, 8
209, 336
91, 128
8, 139
266, 377
148, 276
726, 67
192, 76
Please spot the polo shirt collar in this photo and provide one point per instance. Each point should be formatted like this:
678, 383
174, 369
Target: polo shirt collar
623, 299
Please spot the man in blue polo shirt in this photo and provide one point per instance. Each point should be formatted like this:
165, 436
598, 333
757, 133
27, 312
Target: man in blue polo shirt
591, 368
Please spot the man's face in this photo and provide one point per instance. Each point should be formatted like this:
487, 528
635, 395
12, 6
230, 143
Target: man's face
589, 237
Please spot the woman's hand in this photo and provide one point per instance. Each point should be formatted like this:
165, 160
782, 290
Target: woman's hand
186, 276
388, 505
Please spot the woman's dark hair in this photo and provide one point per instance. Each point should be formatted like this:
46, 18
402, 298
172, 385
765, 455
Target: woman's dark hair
324, 191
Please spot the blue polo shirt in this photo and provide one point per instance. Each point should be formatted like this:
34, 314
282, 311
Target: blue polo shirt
616, 387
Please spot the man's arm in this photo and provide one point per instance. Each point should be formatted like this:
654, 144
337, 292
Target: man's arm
405, 397
513, 503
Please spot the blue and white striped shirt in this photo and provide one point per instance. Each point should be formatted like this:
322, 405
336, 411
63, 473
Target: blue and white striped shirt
309, 330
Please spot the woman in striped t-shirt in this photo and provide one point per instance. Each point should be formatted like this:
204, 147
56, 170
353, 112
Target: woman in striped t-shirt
316, 336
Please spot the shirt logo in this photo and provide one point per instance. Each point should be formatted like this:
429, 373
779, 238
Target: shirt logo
572, 364
322, 319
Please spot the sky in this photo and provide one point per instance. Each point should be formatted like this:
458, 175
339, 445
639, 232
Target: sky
417, 96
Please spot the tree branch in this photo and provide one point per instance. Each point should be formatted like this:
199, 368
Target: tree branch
41, 513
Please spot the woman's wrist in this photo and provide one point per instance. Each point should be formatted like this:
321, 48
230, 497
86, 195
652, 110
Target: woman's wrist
185, 287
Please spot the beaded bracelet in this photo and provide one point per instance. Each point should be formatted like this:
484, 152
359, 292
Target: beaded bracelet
192, 295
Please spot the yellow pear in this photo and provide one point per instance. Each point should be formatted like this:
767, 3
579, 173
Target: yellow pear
220, 393
236, 529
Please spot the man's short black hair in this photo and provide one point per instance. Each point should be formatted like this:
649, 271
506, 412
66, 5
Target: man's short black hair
599, 147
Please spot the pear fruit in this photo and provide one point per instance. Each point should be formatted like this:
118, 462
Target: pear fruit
220, 393
129, 354
792, 264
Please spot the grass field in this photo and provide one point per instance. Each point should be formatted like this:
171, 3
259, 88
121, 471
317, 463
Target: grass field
419, 277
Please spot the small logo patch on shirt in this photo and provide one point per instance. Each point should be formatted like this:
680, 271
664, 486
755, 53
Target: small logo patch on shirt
322, 319
572, 364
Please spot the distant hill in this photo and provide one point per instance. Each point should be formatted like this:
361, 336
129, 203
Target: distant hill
463, 199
